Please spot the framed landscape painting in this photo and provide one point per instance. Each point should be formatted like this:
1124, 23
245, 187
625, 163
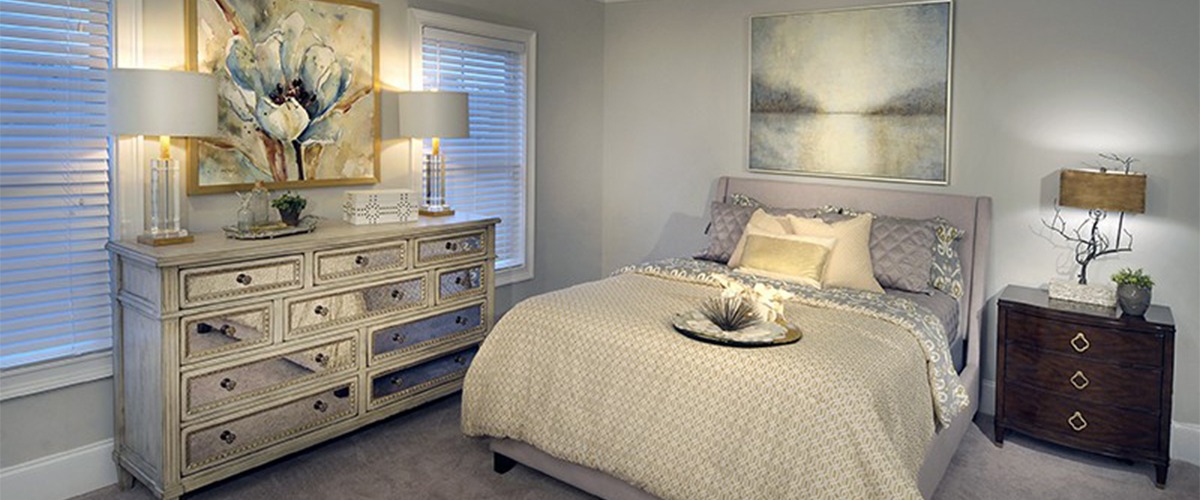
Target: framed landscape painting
860, 93
298, 93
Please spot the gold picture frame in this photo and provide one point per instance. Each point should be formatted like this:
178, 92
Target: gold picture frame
301, 136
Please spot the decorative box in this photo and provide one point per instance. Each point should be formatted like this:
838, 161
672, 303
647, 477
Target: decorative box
379, 206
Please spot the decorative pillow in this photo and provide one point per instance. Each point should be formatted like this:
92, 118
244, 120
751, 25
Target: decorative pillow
742, 200
761, 223
946, 270
850, 263
902, 250
798, 259
727, 223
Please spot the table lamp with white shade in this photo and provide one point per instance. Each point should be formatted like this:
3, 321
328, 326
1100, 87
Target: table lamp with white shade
162, 103
433, 115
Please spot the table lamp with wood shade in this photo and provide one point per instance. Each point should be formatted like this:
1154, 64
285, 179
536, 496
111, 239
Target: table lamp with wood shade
433, 115
162, 103
1098, 191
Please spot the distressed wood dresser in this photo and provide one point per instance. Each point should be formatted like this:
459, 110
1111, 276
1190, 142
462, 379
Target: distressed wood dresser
230, 354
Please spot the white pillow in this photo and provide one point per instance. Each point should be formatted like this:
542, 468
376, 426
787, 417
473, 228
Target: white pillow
850, 263
763, 222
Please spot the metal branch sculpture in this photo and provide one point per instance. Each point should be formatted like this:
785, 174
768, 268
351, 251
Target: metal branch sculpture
1090, 243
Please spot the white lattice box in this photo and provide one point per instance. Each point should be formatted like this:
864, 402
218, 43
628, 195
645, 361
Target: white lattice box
379, 206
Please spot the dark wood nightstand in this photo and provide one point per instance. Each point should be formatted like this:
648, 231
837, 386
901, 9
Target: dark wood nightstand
1085, 377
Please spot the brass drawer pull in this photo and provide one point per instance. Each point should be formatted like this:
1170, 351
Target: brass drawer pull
228, 437
228, 384
397, 295
321, 358
399, 338
362, 260
321, 311
244, 279
1080, 342
320, 406
1077, 422
1079, 380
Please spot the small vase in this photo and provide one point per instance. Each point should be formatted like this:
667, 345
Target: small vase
290, 217
1134, 300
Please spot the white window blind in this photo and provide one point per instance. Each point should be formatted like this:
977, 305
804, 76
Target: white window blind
486, 173
54, 167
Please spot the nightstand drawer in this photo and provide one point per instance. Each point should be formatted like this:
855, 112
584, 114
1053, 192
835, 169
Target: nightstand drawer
1086, 341
1077, 423
225, 441
1084, 380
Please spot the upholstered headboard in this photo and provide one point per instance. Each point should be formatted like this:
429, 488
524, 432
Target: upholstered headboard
972, 214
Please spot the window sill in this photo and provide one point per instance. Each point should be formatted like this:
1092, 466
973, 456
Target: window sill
514, 275
42, 377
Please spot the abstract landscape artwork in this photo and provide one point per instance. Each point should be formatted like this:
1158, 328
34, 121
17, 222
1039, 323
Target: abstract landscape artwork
860, 93
298, 102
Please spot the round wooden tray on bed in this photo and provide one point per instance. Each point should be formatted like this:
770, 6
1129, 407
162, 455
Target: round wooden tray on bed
694, 325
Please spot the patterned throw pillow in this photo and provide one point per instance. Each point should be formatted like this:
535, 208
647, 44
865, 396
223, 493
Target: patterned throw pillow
946, 272
742, 200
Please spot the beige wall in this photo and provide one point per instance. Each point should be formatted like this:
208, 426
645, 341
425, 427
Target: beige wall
569, 129
1038, 85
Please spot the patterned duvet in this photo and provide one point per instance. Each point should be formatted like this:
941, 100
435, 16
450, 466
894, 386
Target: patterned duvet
595, 375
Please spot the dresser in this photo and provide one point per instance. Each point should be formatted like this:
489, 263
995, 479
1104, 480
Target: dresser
1085, 377
230, 354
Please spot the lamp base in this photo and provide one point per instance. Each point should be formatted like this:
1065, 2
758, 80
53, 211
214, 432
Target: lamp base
158, 241
431, 212
1072, 291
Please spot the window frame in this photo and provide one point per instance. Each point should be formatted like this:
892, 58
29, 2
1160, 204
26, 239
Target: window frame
419, 19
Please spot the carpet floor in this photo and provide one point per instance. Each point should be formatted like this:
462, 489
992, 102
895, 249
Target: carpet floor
422, 454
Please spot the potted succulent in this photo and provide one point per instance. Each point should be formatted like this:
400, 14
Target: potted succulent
289, 206
1133, 290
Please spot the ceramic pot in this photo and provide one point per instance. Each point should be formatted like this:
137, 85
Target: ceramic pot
1134, 300
290, 217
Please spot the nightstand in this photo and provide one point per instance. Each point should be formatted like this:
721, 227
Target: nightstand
1085, 377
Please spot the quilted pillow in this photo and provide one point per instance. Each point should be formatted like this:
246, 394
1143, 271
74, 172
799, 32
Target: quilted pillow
889, 247
729, 220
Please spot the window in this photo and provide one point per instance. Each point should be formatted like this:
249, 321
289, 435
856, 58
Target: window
491, 172
54, 168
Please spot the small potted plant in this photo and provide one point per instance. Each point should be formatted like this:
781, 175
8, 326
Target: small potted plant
1133, 290
289, 206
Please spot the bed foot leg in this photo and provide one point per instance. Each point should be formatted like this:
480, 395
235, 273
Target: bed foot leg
501, 463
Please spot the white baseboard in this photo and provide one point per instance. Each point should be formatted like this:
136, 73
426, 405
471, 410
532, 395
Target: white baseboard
1185, 437
1185, 442
61, 475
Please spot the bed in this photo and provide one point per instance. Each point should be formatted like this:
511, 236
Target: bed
592, 386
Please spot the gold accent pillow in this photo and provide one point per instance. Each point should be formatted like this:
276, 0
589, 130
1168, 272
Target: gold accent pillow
762, 222
850, 262
797, 259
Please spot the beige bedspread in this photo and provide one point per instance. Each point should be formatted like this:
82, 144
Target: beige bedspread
596, 375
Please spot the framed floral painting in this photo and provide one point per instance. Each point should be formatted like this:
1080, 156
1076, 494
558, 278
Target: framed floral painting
298, 93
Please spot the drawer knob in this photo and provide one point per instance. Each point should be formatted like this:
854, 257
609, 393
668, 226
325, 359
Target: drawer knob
397, 294
460, 359
228, 437
458, 280
321, 358
1079, 380
244, 279
1080, 342
320, 406
397, 381
321, 311
362, 260
399, 338
459, 320
228, 384
1077, 422
208, 328
452, 246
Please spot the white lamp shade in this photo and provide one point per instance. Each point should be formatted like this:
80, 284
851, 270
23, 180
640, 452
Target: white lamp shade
161, 102
433, 114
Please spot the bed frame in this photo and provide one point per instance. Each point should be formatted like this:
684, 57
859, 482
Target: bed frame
970, 213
